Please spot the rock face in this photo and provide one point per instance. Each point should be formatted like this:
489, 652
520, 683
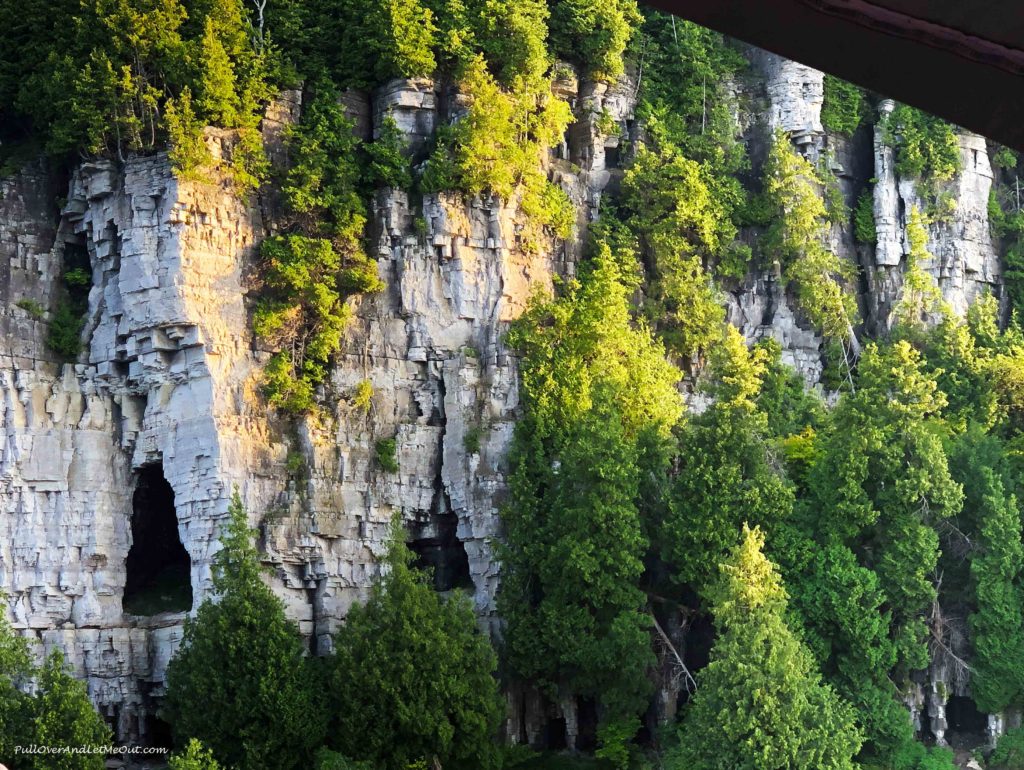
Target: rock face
169, 377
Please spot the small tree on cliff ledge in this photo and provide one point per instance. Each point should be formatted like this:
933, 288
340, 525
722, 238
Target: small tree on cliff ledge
240, 682
759, 703
412, 678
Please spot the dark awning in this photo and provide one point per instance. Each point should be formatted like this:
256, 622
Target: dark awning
959, 59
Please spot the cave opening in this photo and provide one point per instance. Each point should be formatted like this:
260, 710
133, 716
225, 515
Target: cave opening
556, 736
157, 733
967, 725
159, 569
443, 554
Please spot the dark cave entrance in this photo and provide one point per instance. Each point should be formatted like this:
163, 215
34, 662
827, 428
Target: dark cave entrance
440, 551
967, 725
159, 569
156, 732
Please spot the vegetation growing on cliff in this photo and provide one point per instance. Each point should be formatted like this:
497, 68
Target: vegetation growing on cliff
58, 713
843, 107
600, 402
926, 147
843, 531
798, 237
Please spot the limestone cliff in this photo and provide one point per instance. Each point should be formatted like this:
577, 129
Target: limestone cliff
170, 373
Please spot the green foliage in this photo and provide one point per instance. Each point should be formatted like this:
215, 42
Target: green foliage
1004, 158
883, 478
783, 397
193, 757
117, 77
864, 219
725, 475
498, 146
387, 458
926, 147
412, 678
997, 626
241, 667
362, 396
378, 40
687, 69
332, 760
321, 189
595, 33
187, 150
1006, 221
759, 702
921, 298
33, 308
596, 392
58, 714
309, 274
302, 313
668, 202
512, 37
1009, 753
797, 238
843, 108
64, 335
471, 440
63, 716
388, 165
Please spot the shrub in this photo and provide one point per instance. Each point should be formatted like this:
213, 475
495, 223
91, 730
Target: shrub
798, 237
864, 219
33, 308
926, 146
1009, 753
471, 439
843, 107
65, 333
193, 757
389, 167
387, 456
412, 678
362, 396
498, 147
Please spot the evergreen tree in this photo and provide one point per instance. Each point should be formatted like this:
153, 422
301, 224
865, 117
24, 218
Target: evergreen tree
512, 38
594, 33
668, 203
759, 703
15, 706
241, 668
797, 237
885, 478
412, 678
724, 475
997, 624
64, 716
378, 40
217, 94
596, 392
921, 298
